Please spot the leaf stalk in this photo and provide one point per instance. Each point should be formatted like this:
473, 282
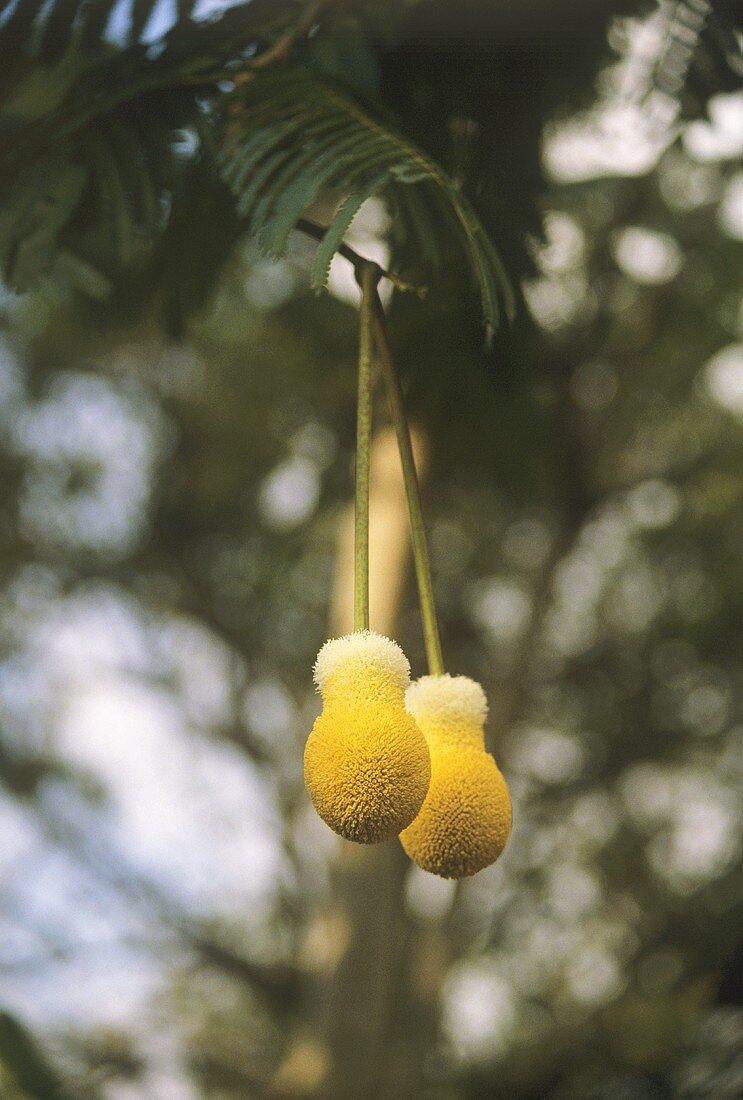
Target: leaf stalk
421, 560
368, 276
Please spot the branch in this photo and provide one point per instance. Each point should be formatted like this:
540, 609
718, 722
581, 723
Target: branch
282, 47
317, 232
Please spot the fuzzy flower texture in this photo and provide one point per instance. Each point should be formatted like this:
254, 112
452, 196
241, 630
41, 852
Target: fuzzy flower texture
387, 758
465, 821
366, 763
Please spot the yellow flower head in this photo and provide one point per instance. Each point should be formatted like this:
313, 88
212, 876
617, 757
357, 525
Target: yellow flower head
366, 763
465, 820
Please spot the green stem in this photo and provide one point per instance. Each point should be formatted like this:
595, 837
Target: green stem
412, 492
317, 232
368, 277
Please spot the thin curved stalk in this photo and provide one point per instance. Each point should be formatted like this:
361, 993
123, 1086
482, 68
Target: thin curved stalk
368, 277
421, 559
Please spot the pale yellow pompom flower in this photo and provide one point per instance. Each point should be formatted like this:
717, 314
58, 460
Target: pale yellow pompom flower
366, 762
465, 820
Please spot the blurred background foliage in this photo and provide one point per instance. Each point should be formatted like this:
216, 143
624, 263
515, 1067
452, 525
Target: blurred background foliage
176, 427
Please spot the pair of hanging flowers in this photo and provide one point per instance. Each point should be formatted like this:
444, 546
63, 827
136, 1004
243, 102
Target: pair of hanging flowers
388, 757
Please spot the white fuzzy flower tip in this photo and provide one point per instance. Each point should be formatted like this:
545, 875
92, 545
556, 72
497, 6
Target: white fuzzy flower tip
452, 699
359, 651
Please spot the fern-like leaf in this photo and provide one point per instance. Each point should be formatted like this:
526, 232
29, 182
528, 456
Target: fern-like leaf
101, 198
293, 136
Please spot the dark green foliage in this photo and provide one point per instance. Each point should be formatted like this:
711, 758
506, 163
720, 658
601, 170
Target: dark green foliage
100, 166
102, 200
31, 1073
298, 135
90, 176
702, 51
